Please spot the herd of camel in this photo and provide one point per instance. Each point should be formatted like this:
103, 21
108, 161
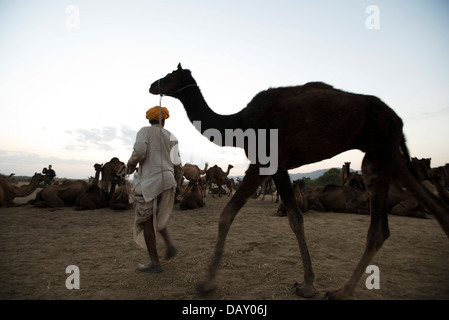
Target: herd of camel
350, 196
113, 191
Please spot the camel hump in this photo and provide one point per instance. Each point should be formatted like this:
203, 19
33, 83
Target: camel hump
330, 187
317, 85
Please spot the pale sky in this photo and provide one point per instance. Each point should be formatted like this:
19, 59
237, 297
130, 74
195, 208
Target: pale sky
75, 74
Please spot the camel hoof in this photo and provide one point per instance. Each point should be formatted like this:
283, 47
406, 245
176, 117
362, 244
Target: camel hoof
337, 294
205, 287
304, 291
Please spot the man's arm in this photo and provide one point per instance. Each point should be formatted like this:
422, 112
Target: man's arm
139, 152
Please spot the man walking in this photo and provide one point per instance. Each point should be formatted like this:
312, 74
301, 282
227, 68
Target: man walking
157, 177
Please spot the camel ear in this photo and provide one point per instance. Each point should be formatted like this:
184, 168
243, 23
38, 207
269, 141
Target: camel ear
179, 66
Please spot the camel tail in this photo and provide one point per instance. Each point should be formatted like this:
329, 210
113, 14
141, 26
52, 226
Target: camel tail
406, 157
407, 174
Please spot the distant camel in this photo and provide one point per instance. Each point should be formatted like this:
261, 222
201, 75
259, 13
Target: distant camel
344, 199
9, 192
312, 122
193, 197
352, 179
64, 194
94, 197
433, 178
401, 202
216, 175
192, 173
269, 187
9, 178
298, 190
440, 178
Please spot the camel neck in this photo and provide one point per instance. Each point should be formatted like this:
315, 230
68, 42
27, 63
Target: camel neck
26, 190
198, 110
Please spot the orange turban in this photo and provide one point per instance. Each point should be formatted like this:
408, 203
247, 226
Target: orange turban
153, 113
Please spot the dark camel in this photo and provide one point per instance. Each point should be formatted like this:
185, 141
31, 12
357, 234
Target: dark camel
313, 122
352, 179
120, 198
269, 187
434, 179
193, 197
94, 197
335, 198
216, 175
298, 190
440, 178
401, 202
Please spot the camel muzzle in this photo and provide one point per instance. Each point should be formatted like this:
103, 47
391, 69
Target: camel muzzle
154, 88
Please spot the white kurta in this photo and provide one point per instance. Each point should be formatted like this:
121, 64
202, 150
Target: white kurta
156, 152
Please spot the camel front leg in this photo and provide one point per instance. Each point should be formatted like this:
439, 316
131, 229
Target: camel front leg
283, 184
241, 196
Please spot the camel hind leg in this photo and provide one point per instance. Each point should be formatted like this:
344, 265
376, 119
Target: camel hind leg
295, 218
249, 184
377, 173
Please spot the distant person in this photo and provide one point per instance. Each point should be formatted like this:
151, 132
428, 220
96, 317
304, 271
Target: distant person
154, 186
49, 175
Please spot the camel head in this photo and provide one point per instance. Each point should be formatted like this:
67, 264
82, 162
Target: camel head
173, 82
37, 178
98, 166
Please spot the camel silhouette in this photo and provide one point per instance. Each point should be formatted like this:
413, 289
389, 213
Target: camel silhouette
314, 121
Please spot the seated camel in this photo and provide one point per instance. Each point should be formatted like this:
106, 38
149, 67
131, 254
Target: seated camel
401, 202
193, 197
192, 173
61, 195
298, 190
120, 198
335, 198
435, 179
352, 179
8, 191
94, 197
347, 199
112, 175
440, 178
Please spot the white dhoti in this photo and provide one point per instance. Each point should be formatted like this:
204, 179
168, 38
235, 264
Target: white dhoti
159, 209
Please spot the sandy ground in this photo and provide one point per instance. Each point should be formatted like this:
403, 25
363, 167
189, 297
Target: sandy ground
261, 260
